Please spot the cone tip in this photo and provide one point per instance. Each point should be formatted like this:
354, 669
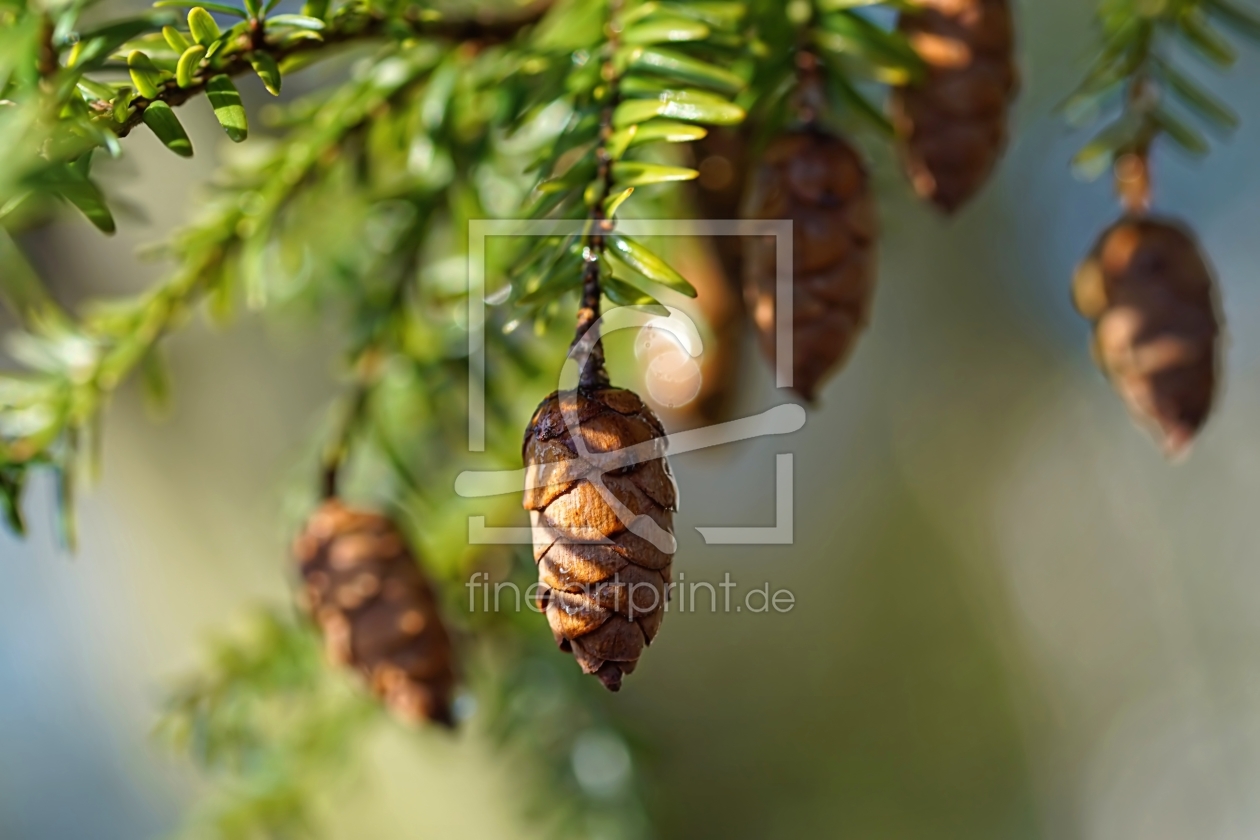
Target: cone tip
610, 675
948, 205
1176, 444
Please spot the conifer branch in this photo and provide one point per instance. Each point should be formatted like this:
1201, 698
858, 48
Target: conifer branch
348, 29
131, 331
47, 59
1137, 73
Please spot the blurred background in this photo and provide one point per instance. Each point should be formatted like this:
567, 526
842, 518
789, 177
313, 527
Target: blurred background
1013, 619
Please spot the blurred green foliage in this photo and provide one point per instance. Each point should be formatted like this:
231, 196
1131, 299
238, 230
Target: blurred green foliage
1138, 73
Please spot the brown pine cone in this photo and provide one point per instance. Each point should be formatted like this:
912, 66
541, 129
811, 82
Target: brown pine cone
603, 573
376, 610
951, 126
818, 182
1152, 299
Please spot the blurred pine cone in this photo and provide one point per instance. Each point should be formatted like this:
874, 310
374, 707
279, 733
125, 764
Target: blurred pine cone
604, 574
951, 125
1151, 296
376, 610
818, 182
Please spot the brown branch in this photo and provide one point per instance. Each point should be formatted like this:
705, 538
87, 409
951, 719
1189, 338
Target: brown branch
484, 29
339, 451
47, 62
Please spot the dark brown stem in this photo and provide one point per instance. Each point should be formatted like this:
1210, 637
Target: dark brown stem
593, 374
47, 52
257, 35
482, 30
340, 451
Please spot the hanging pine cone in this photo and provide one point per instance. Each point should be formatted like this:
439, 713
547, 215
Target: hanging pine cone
951, 125
604, 574
818, 182
1151, 296
376, 610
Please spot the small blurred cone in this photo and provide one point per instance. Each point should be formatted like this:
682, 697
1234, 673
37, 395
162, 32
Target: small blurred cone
376, 610
819, 182
951, 125
1151, 297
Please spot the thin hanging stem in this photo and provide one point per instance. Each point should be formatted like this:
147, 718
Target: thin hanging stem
337, 454
808, 99
1133, 180
594, 375
1133, 169
369, 362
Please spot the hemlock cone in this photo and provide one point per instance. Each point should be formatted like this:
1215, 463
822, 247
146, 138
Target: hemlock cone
818, 181
604, 578
951, 125
1151, 296
376, 610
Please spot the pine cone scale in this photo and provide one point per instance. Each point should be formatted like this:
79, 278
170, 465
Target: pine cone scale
571, 615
